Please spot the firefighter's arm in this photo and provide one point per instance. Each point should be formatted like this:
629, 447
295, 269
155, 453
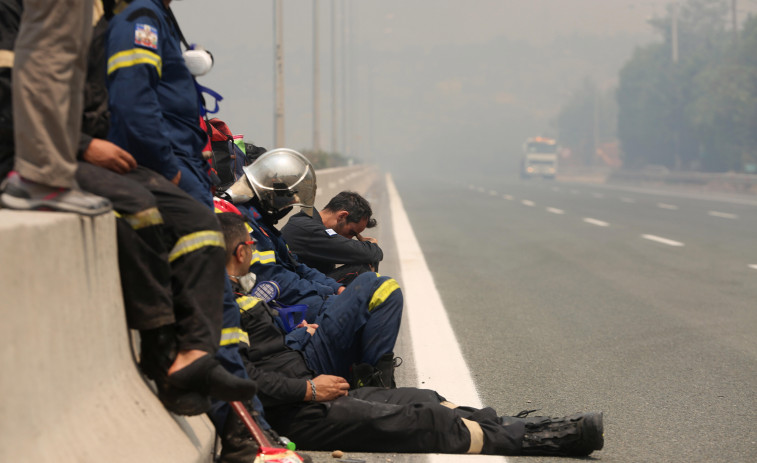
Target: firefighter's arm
137, 123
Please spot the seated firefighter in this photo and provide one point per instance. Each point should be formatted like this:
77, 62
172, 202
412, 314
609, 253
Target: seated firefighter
319, 412
352, 338
169, 280
324, 240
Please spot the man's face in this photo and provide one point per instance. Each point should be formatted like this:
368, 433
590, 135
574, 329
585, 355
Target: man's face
350, 229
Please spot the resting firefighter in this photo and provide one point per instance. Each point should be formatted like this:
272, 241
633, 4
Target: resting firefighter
369, 307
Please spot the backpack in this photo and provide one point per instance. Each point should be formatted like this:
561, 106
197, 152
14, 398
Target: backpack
229, 154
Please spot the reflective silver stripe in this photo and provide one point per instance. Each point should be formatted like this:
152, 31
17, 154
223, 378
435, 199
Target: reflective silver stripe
133, 57
263, 257
6, 58
476, 436
195, 241
142, 219
233, 336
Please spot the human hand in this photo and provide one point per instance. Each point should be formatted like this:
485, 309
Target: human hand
340, 290
366, 238
328, 387
176, 179
310, 327
107, 155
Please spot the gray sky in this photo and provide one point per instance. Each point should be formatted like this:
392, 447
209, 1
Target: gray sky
422, 77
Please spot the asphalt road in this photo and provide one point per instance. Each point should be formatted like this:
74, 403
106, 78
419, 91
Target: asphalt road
571, 297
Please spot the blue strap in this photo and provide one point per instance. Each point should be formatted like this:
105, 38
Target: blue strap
216, 96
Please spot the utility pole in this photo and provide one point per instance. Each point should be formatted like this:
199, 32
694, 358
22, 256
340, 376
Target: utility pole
333, 79
316, 82
734, 12
278, 66
674, 32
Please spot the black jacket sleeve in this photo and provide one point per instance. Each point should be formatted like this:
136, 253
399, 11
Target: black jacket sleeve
311, 242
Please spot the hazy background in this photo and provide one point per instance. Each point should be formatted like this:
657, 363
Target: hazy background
419, 81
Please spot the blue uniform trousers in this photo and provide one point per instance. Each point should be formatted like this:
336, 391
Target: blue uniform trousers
358, 326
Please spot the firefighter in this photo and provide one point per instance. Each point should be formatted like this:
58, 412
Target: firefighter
155, 110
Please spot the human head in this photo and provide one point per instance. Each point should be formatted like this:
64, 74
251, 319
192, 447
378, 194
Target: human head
348, 214
237, 238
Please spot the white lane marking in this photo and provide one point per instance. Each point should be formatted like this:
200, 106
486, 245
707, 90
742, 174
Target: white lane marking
662, 240
528, 203
599, 223
628, 200
508, 197
493, 193
481, 189
723, 215
598, 195
555, 210
753, 266
431, 334
671, 207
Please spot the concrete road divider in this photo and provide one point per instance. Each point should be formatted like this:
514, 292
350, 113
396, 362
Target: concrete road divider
69, 387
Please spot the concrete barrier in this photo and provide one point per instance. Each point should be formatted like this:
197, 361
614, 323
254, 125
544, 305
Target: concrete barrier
70, 390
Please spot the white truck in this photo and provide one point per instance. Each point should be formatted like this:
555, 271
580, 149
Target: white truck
539, 158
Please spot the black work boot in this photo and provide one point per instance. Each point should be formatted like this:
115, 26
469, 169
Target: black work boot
575, 435
157, 351
381, 375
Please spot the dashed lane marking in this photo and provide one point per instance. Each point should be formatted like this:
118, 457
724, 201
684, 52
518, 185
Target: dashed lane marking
753, 266
508, 197
555, 210
493, 193
599, 223
628, 200
723, 215
660, 239
528, 203
671, 207
598, 195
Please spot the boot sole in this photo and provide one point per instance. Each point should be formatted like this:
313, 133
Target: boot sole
592, 427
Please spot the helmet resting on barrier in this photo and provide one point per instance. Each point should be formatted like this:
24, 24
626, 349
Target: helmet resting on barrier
280, 178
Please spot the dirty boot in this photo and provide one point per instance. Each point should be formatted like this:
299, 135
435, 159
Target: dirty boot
575, 435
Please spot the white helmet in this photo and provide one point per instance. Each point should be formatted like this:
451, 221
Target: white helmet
280, 178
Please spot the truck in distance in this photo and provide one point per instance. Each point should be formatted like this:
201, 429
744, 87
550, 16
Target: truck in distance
539, 158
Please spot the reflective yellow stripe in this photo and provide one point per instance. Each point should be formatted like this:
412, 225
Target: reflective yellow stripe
263, 257
383, 292
117, 214
6, 58
142, 219
248, 227
195, 241
233, 336
245, 303
133, 57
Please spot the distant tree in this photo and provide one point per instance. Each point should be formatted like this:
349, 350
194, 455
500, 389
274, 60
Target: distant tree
586, 121
725, 111
664, 115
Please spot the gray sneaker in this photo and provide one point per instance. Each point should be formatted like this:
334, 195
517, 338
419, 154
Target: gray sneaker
27, 195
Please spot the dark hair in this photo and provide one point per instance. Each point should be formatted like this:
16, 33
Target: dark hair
234, 231
357, 207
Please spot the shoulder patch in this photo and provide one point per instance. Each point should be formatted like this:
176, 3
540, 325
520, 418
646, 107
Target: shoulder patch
330, 232
146, 35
